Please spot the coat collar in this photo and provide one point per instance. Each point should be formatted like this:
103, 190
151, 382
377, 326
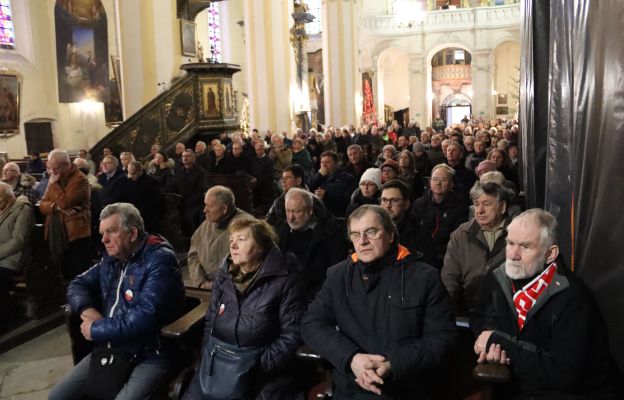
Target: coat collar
559, 283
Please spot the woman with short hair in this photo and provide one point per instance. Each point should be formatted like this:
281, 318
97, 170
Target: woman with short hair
256, 304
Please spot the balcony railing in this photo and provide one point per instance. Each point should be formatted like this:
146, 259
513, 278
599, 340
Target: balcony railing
445, 20
451, 72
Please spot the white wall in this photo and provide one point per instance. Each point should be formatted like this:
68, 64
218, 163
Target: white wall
394, 66
506, 57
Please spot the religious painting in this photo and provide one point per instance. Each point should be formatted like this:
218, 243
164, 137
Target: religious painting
81, 50
502, 99
9, 103
211, 102
187, 35
228, 99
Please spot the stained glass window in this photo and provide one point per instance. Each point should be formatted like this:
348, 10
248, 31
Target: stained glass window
7, 35
314, 8
214, 33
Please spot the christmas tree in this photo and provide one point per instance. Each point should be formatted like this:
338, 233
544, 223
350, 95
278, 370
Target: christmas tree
369, 106
244, 118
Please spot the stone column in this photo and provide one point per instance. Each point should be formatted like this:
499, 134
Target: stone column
418, 89
378, 91
340, 70
271, 68
482, 84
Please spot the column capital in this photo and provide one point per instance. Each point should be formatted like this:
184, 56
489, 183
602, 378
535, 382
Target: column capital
417, 64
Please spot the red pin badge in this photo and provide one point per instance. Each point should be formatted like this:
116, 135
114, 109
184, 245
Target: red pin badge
128, 295
221, 309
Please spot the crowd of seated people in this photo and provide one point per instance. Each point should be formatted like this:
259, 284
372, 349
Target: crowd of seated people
370, 225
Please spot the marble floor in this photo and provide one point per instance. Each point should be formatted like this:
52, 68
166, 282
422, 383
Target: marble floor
29, 371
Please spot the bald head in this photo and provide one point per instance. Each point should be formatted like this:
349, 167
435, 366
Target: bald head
11, 173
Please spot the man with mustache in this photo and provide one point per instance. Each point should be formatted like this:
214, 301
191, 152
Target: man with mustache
540, 320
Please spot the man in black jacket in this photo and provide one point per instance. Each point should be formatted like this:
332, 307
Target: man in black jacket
332, 185
382, 317
190, 183
313, 236
540, 320
143, 192
395, 199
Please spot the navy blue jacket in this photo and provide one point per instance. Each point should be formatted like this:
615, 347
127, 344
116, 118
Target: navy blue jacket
267, 315
151, 296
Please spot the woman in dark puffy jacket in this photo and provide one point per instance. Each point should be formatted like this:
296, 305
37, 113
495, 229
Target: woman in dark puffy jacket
257, 301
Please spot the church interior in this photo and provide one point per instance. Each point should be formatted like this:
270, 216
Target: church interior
98, 75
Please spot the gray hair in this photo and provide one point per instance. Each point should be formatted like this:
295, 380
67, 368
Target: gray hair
382, 215
129, 216
113, 159
549, 227
306, 196
223, 195
6, 190
491, 188
137, 165
355, 147
447, 168
59, 155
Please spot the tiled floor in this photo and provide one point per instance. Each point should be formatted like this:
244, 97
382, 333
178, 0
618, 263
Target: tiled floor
29, 371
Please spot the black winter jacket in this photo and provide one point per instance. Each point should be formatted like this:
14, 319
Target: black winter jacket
338, 188
561, 352
404, 315
327, 246
267, 315
436, 221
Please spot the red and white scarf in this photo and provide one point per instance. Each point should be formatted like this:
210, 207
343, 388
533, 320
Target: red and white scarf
525, 298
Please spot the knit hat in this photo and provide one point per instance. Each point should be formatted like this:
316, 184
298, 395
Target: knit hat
392, 164
419, 146
485, 165
372, 175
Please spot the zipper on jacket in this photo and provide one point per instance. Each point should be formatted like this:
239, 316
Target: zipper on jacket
121, 277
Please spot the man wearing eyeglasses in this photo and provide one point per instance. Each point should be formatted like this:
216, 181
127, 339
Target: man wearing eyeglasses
382, 316
21, 183
67, 207
395, 199
311, 234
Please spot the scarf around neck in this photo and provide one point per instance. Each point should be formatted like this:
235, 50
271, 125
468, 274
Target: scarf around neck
525, 298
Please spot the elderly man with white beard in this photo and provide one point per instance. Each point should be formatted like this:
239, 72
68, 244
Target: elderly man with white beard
538, 318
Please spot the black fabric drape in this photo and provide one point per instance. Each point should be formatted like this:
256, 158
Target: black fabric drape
573, 74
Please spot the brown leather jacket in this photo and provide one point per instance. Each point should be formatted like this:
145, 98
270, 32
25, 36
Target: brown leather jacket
71, 191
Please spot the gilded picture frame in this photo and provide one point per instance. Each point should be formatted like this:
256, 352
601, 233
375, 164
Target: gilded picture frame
9, 103
188, 39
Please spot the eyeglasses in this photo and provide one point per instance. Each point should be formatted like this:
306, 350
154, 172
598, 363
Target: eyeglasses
370, 234
392, 202
442, 180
